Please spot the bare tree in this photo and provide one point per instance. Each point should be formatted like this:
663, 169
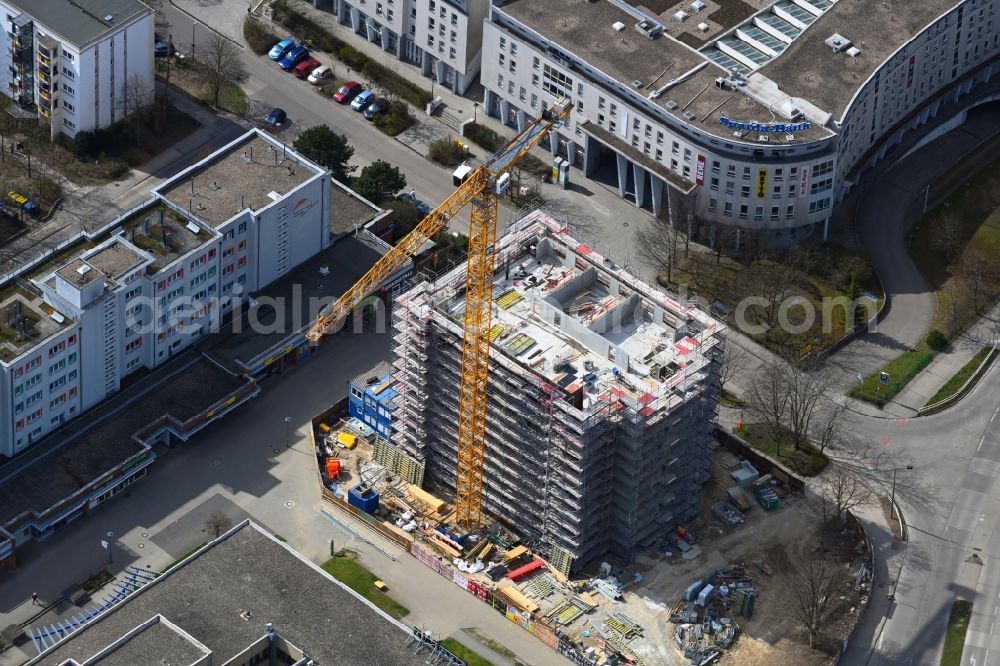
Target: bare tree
812, 590
136, 96
659, 246
946, 235
845, 488
979, 268
223, 64
830, 426
805, 390
767, 399
217, 524
734, 362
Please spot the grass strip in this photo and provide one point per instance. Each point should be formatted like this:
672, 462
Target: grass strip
959, 379
184, 556
468, 656
344, 567
954, 640
901, 371
806, 460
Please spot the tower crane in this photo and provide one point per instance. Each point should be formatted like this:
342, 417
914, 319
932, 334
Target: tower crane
481, 189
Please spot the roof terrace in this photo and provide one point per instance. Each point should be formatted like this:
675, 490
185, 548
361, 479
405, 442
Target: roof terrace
253, 173
25, 321
164, 233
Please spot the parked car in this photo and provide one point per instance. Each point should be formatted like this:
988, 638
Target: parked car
376, 107
347, 92
364, 98
277, 118
279, 50
422, 206
164, 49
293, 57
303, 69
320, 74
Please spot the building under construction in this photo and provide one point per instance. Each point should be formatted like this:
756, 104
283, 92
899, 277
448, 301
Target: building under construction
602, 396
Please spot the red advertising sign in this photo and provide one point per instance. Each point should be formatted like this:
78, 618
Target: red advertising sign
700, 170
804, 182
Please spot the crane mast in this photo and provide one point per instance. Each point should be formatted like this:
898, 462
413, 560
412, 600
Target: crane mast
481, 189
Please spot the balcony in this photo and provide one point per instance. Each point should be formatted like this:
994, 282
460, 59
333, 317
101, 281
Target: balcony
45, 112
45, 94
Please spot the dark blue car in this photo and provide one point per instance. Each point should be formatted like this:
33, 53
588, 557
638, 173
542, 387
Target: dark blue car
293, 57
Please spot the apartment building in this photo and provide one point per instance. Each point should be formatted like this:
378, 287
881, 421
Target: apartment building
70, 60
442, 37
157, 281
756, 121
602, 395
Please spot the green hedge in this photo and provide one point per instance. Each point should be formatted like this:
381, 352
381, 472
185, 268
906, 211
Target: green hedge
259, 37
484, 137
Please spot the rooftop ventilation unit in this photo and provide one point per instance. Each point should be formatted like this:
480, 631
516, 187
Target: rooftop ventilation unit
854, 51
191, 226
618, 25
650, 28
738, 134
671, 104
689, 115
763, 138
109, 18
720, 83
789, 137
637, 84
697, 5
703, 27
838, 42
681, 16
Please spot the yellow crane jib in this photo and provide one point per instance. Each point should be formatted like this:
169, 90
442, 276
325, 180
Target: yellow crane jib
480, 188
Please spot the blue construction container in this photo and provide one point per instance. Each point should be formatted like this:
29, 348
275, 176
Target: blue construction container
365, 499
372, 398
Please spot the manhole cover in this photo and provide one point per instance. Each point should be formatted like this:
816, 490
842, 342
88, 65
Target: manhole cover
145, 535
289, 504
142, 545
624, 224
276, 450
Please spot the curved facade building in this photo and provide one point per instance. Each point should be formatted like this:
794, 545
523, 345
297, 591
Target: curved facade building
734, 115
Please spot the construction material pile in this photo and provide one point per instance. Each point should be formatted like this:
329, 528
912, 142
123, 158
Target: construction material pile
705, 617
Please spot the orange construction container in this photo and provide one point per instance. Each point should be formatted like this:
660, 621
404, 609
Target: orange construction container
333, 467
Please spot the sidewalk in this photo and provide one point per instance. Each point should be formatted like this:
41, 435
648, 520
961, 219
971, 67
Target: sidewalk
947, 363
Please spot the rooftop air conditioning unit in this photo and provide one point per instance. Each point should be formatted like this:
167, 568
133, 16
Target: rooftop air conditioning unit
838, 42
763, 137
618, 25
637, 84
738, 134
720, 83
703, 27
689, 115
650, 28
789, 137
854, 51
671, 104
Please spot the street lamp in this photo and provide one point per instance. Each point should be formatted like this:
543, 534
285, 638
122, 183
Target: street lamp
193, 26
288, 425
892, 499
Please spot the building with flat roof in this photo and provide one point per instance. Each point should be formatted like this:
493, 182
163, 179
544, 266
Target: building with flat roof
442, 37
157, 279
755, 115
235, 601
77, 63
602, 395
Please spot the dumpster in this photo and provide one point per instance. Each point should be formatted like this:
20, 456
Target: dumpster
22, 201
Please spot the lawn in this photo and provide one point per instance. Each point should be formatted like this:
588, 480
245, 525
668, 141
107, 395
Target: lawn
807, 461
973, 210
901, 370
954, 640
958, 380
471, 658
344, 567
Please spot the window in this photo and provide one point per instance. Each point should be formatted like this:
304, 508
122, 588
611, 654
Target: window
503, 60
69, 107
730, 186
818, 205
744, 209
779, 174
675, 148
534, 100
713, 203
745, 191
775, 213
535, 63
776, 192
68, 123
727, 209
555, 82
820, 186
790, 212
822, 169
758, 213
243, 227
715, 184
687, 154
715, 166
731, 170
68, 56
68, 89
500, 82
68, 73
746, 173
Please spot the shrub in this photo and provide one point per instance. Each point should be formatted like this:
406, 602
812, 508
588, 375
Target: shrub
484, 137
398, 119
936, 340
47, 189
446, 153
259, 37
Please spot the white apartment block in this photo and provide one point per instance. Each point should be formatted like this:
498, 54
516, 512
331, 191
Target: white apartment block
69, 60
442, 37
230, 225
762, 122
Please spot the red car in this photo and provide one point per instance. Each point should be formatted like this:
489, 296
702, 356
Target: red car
347, 92
305, 68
